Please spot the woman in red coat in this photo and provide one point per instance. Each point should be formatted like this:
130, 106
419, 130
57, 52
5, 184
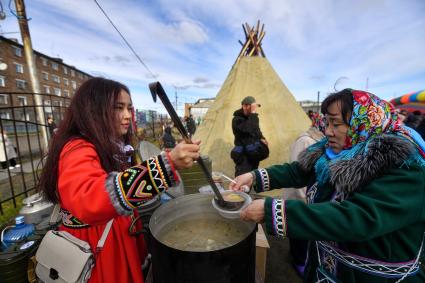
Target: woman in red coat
89, 173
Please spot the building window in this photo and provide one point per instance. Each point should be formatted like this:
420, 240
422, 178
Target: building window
55, 66
17, 51
21, 84
65, 70
24, 117
65, 81
66, 93
5, 115
3, 99
72, 73
57, 91
80, 75
22, 100
44, 61
56, 79
57, 103
19, 68
74, 84
2, 81
45, 76
46, 89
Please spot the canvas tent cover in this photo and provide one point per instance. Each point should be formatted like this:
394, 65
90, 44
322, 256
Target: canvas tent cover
282, 120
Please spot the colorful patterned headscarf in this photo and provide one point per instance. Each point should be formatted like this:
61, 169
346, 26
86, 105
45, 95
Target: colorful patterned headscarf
373, 116
318, 121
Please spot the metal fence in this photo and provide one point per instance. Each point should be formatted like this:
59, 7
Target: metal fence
21, 143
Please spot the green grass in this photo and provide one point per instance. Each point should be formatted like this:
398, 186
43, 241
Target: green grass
9, 211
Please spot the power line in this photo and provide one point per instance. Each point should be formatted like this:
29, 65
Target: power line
125, 40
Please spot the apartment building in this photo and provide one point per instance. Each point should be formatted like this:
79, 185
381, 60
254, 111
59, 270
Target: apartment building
58, 81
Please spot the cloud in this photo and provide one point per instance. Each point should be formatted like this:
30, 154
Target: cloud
200, 80
192, 44
317, 77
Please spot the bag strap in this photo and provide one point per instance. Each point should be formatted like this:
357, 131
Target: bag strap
55, 214
102, 239
104, 235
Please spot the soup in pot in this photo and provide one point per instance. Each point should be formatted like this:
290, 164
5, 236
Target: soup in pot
201, 233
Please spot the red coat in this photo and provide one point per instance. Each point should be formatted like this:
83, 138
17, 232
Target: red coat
83, 193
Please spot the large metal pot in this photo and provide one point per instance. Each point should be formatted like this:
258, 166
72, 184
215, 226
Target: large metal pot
232, 264
36, 209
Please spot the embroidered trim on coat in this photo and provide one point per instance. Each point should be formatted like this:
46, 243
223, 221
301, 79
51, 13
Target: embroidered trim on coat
371, 266
70, 221
265, 180
279, 217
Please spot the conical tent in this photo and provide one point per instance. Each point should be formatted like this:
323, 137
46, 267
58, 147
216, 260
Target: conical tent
282, 120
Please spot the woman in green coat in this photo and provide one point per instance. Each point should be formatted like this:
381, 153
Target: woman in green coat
365, 216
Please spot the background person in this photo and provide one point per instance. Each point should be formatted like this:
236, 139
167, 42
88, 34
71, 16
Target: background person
8, 153
246, 129
364, 215
89, 173
191, 125
51, 125
168, 141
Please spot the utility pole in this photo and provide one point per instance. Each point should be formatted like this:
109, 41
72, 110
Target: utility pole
153, 124
30, 59
175, 92
318, 102
367, 83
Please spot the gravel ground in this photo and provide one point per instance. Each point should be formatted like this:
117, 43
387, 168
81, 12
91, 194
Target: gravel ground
279, 268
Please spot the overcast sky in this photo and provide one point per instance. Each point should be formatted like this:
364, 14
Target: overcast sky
190, 45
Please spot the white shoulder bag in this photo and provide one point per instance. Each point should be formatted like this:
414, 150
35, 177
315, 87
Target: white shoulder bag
62, 257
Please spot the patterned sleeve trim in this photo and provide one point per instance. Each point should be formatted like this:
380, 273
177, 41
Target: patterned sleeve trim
116, 199
275, 215
138, 184
262, 180
169, 169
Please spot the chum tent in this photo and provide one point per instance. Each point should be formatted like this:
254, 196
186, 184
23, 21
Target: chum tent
282, 119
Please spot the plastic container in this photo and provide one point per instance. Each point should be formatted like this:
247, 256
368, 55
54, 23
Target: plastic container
17, 233
16, 265
232, 214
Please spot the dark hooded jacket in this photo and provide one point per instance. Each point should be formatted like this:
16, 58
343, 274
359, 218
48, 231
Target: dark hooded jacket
246, 128
168, 140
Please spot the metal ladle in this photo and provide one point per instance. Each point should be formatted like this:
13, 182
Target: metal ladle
156, 89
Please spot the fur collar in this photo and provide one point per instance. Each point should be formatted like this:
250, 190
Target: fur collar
347, 176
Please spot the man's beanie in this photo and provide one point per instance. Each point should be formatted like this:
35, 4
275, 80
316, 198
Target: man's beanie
248, 100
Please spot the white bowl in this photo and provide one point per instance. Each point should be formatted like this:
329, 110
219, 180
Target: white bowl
232, 214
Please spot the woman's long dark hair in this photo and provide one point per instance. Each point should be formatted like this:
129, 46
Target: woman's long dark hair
91, 117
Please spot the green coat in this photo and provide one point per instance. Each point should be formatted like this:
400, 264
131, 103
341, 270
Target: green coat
383, 220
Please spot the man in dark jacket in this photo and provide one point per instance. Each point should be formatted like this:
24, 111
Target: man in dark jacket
246, 128
168, 141
191, 125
